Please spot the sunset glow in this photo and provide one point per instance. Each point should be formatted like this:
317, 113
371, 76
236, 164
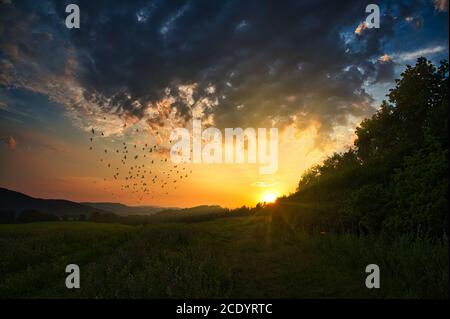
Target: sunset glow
92, 119
269, 198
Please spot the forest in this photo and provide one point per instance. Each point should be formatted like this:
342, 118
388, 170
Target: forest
394, 180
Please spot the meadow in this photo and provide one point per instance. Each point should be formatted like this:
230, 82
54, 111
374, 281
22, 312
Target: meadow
239, 257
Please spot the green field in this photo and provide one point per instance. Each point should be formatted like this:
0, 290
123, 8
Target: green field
245, 257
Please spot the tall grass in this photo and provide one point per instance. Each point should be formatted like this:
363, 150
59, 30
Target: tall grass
249, 257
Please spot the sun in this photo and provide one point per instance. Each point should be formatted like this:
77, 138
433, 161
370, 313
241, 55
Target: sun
269, 197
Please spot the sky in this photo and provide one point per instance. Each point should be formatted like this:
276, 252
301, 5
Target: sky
80, 109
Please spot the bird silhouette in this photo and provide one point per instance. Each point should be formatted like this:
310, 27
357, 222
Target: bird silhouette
137, 179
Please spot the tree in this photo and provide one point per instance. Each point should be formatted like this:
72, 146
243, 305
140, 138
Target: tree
30, 216
395, 179
415, 114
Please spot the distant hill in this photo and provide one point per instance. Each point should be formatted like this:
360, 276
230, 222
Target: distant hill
196, 213
18, 202
124, 210
36, 209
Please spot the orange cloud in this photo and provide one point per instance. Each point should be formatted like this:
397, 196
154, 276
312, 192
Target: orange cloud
441, 5
10, 141
385, 58
360, 28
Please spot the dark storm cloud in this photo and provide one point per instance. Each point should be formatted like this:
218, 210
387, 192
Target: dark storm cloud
257, 54
385, 70
270, 62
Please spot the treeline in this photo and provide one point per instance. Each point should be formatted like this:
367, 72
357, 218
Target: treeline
26, 216
395, 178
188, 215
33, 215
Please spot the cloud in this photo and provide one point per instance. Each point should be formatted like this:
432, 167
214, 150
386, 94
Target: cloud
361, 27
10, 141
441, 5
265, 183
3, 106
416, 22
154, 63
385, 69
41, 141
385, 58
413, 55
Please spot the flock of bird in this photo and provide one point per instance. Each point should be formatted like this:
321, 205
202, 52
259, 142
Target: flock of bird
143, 170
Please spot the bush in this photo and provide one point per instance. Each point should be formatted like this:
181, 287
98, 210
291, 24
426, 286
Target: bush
420, 189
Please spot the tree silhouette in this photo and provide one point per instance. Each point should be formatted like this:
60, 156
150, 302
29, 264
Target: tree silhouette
395, 178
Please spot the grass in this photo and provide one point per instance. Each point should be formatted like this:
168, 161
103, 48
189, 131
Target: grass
232, 257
